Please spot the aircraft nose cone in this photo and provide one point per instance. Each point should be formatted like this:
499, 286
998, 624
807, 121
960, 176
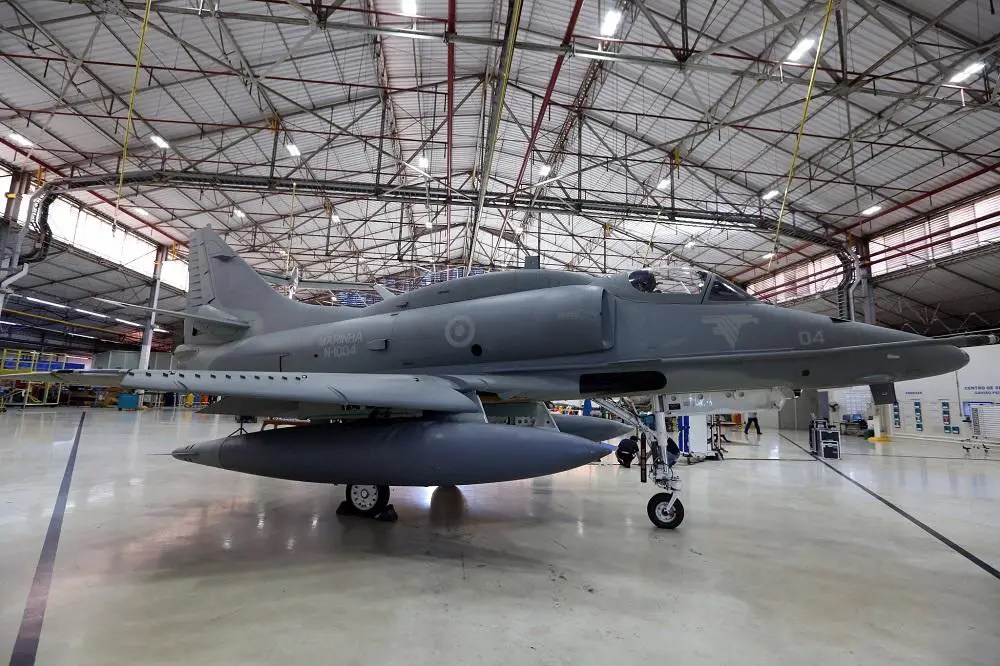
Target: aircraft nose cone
202, 453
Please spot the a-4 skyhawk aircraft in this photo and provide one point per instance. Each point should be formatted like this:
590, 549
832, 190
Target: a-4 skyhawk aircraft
403, 392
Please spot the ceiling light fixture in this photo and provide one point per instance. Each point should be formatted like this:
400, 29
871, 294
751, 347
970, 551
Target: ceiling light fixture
689, 244
238, 213
409, 7
142, 211
428, 224
800, 49
91, 313
160, 330
966, 73
769, 255
871, 210
159, 141
129, 323
663, 184
770, 195
544, 170
42, 302
293, 150
610, 22
422, 162
81, 335
334, 218
20, 140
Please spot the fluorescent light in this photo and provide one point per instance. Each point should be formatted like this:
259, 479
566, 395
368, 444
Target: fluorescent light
770, 195
160, 330
768, 255
800, 49
81, 335
422, 162
293, 150
689, 244
159, 141
409, 7
8, 323
871, 210
142, 211
610, 22
544, 170
20, 140
964, 74
663, 184
41, 302
127, 322
238, 213
91, 313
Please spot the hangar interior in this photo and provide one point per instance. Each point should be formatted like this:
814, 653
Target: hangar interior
837, 158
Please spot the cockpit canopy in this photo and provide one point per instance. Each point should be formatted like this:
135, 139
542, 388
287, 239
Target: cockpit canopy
687, 281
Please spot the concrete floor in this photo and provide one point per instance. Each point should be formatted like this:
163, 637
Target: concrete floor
780, 559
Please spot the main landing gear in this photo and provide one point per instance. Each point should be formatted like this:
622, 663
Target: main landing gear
370, 501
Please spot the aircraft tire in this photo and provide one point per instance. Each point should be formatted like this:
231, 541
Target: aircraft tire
367, 500
656, 510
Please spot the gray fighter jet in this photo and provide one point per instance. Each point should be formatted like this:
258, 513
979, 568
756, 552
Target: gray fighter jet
424, 388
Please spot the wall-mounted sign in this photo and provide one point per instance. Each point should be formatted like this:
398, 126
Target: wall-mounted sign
982, 389
918, 416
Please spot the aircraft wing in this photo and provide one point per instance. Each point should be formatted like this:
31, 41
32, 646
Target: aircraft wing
416, 392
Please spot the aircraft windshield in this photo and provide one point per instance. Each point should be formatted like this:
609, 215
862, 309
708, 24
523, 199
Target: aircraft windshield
723, 290
669, 281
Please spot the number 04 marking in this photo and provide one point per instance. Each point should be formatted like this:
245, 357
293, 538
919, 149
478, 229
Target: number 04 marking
811, 338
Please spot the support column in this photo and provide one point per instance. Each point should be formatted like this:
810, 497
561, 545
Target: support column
10, 249
868, 285
154, 299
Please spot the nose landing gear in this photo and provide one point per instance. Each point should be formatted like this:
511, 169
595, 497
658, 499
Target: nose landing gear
665, 510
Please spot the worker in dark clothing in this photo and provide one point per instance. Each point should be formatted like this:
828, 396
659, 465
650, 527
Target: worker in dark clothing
751, 419
628, 449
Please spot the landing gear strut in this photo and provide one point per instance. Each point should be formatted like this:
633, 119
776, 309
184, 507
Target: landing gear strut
665, 510
368, 500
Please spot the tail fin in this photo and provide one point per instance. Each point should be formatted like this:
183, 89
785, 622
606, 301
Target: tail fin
223, 286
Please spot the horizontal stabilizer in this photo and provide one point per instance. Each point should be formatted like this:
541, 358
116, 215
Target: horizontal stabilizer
215, 320
383, 291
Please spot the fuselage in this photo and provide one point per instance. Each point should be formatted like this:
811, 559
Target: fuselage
571, 335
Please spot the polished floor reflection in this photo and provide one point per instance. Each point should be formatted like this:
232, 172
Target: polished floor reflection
780, 560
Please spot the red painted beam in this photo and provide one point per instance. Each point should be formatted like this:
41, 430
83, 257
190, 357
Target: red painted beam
567, 39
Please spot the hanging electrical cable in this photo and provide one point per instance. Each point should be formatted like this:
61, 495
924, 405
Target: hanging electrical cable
798, 135
131, 106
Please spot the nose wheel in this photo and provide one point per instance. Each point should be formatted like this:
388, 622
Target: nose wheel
665, 510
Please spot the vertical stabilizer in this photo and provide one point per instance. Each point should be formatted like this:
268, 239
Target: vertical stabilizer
222, 285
